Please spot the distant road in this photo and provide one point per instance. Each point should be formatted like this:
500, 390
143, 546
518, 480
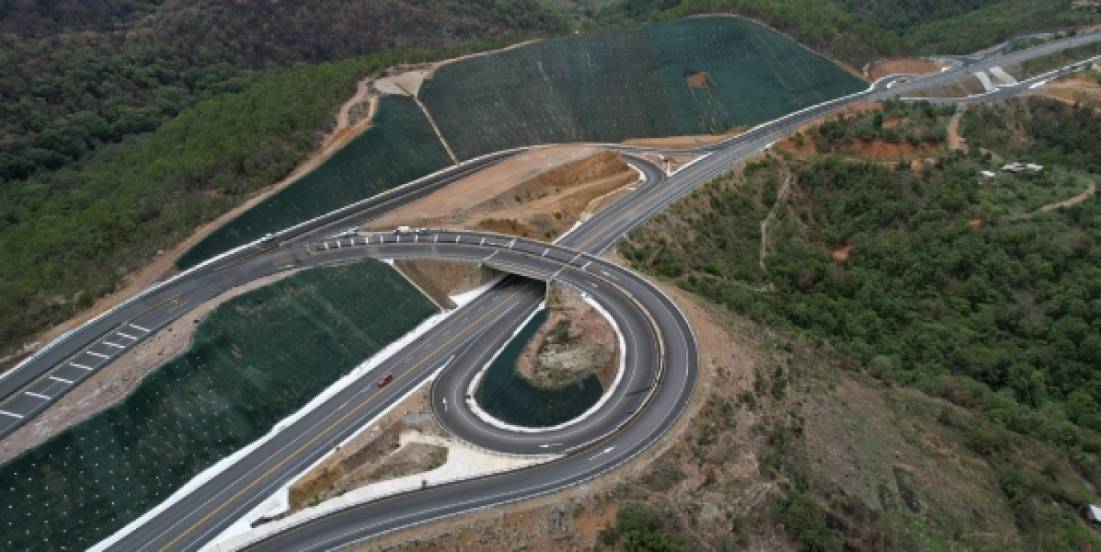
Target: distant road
626, 426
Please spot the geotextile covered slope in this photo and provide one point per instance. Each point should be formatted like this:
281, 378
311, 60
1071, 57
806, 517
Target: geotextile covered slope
257, 359
694, 76
400, 146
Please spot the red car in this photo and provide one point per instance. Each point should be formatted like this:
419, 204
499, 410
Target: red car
386, 379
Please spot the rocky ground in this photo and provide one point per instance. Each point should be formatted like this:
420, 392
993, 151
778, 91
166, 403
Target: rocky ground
574, 342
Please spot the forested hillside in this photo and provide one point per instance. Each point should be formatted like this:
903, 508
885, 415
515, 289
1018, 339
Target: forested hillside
125, 124
859, 31
973, 290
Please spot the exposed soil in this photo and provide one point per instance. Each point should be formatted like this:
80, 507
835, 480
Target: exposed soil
699, 80
574, 342
438, 280
956, 141
375, 454
538, 194
1071, 202
841, 254
901, 66
405, 80
119, 378
781, 199
1073, 89
681, 142
798, 145
879, 150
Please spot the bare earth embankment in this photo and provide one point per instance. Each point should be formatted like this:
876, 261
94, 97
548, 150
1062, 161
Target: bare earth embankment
537, 194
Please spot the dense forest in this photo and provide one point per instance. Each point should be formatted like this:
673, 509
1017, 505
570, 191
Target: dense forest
928, 275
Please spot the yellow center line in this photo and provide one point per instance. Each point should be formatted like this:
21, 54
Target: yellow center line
333, 425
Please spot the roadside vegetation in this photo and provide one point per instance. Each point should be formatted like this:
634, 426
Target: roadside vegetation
925, 276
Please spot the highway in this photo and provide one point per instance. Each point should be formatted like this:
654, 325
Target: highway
660, 353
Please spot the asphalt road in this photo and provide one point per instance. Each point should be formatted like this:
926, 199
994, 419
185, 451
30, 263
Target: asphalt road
213, 506
39, 381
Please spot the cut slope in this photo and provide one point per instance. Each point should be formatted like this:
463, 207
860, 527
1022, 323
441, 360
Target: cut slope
694, 76
399, 146
252, 363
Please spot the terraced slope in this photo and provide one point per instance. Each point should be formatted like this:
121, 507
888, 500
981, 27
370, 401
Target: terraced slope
253, 362
400, 146
693, 76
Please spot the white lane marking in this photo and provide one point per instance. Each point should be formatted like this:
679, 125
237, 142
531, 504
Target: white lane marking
115, 345
37, 395
483, 242
62, 380
436, 238
457, 238
81, 366
601, 453
545, 251
512, 243
12, 414
137, 327
416, 238
574, 259
95, 354
586, 265
445, 404
326, 244
557, 272
127, 336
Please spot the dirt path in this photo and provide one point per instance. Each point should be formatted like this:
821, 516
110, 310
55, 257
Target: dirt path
781, 197
955, 140
436, 129
1070, 202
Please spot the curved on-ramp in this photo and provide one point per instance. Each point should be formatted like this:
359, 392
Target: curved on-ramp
661, 368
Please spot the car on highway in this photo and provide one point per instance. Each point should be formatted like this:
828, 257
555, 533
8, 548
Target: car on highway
385, 380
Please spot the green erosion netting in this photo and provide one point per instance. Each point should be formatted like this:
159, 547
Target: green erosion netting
254, 361
507, 396
399, 146
693, 76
